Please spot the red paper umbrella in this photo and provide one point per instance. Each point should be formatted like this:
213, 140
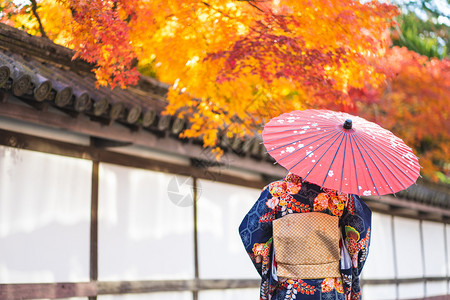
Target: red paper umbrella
342, 152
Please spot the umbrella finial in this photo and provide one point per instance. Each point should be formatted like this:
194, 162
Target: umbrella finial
348, 124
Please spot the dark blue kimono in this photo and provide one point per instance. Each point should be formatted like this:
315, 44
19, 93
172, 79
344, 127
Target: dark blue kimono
293, 195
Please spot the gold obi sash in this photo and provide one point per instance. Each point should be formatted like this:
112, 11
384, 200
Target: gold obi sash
306, 245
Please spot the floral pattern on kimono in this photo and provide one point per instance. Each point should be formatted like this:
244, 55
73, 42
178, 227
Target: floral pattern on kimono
293, 195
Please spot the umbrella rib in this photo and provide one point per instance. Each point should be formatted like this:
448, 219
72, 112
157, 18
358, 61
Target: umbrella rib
368, 170
305, 122
390, 155
304, 147
391, 161
318, 160
307, 155
280, 138
379, 171
332, 161
301, 124
343, 162
284, 145
354, 163
388, 167
298, 129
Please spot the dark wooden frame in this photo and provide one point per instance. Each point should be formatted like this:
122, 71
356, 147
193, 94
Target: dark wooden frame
93, 255
93, 288
14, 109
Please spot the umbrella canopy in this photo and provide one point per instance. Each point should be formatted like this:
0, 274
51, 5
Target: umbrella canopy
340, 151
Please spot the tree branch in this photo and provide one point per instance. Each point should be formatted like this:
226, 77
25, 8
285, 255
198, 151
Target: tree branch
218, 10
41, 27
253, 4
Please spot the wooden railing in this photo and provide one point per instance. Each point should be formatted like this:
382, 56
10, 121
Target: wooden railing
95, 288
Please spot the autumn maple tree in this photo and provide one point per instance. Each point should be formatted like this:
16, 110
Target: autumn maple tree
413, 103
233, 65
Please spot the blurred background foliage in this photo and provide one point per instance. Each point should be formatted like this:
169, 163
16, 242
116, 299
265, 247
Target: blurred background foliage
423, 27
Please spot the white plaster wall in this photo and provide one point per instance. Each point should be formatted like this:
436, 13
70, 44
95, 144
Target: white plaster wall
44, 217
143, 232
221, 208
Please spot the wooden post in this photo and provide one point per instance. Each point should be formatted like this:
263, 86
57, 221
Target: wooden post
93, 262
196, 272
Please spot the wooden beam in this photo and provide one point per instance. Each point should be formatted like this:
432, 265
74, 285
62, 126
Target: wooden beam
218, 284
443, 297
94, 288
378, 206
83, 125
47, 290
407, 208
106, 143
130, 287
402, 280
29, 142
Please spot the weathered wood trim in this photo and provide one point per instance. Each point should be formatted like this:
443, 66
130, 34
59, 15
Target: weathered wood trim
218, 284
94, 288
94, 223
444, 297
130, 287
29, 142
196, 258
117, 132
47, 290
402, 280
133, 287
93, 245
405, 208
